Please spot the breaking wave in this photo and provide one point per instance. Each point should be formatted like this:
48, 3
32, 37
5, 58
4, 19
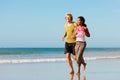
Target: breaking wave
15, 61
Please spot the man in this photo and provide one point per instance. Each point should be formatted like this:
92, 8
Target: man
70, 42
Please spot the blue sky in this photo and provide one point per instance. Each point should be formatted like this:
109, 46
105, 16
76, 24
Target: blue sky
39, 23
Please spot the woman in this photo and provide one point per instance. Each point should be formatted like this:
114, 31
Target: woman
80, 32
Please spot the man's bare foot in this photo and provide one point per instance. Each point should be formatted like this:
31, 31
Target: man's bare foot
71, 76
84, 67
71, 72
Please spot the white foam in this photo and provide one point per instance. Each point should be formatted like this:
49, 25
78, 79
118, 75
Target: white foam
102, 57
31, 60
13, 61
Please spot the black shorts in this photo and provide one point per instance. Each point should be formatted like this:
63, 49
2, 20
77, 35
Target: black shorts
70, 48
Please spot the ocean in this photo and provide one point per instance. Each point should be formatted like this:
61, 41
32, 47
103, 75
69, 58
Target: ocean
40, 55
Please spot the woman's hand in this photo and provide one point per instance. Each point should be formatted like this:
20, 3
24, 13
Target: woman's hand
87, 32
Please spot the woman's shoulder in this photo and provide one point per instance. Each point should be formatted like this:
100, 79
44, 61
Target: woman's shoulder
85, 27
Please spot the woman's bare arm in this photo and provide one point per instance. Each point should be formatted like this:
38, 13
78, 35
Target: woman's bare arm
87, 33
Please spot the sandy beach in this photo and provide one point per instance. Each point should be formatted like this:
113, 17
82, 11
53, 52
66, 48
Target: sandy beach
96, 70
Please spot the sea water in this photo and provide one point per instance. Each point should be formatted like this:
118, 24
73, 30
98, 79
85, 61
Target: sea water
33, 55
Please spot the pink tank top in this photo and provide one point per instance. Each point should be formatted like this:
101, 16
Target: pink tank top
80, 34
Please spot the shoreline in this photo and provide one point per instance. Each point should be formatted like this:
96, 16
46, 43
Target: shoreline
96, 70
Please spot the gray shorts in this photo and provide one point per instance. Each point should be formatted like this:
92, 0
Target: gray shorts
79, 50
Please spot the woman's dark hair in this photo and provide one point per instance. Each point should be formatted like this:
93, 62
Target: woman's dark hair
83, 20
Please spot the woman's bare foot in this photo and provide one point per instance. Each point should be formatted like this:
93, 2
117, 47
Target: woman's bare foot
78, 73
84, 67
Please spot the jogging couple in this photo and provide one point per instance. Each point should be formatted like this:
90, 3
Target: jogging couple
75, 44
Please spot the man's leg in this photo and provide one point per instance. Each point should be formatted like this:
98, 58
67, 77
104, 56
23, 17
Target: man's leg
68, 56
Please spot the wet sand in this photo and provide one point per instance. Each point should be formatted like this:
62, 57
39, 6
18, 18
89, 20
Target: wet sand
96, 70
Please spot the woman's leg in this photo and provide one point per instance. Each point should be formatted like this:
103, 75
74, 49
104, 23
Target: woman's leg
80, 59
77, 57
84, 64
